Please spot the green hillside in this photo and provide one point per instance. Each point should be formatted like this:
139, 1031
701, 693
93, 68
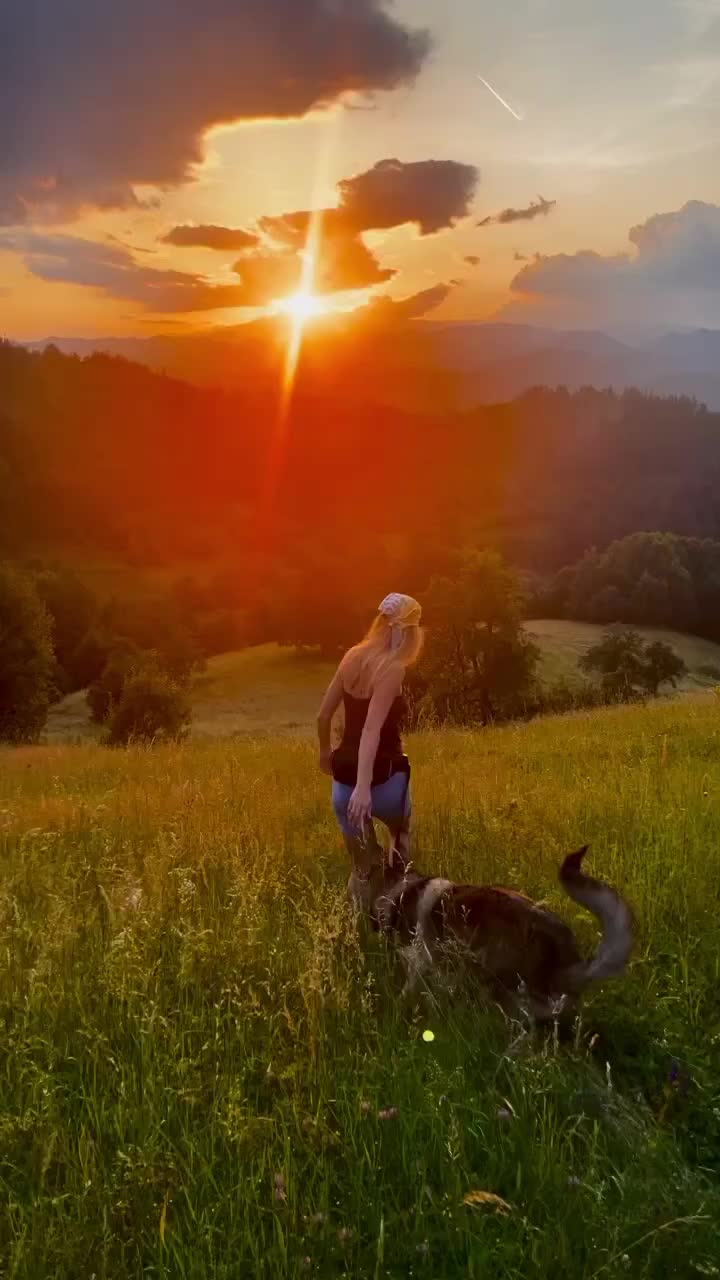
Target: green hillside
269, 689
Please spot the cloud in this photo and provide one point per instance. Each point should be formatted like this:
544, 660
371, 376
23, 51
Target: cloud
97, 102
234, 239
343, 264
539, 209
519, 257
674, 274
472, 259
432, 194
71, 260
388, 311
263, 277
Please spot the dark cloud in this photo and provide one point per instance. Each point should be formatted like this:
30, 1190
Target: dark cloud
381, 311
432, 194
99, 97
71, 260
675, 271
519, 257
343, 264
472, 259
537, 209
233, 239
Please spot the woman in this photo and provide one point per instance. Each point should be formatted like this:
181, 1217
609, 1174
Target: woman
371, 775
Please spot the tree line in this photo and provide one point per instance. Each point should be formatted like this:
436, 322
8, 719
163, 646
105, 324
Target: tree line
289, 526
137, 663
150, 471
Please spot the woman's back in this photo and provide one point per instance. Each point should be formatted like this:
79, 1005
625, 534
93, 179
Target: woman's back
356, 710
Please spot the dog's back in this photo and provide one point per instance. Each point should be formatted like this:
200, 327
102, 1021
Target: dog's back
516, 943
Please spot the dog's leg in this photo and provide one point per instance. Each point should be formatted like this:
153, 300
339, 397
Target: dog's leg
418, 961
366, 858
399, 855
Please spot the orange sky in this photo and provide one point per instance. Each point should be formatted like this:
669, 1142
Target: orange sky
611, 141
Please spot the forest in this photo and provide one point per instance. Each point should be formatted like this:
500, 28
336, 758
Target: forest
285, 519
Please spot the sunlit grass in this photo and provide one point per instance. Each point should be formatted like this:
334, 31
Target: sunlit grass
204, 1072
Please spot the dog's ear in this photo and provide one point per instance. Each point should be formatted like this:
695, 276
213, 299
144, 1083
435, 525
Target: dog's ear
574, 861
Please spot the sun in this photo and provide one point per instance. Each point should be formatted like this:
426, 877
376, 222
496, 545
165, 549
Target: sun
301, 306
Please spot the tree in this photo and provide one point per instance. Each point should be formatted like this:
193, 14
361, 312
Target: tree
618, 660
628, 667
662, 666
73, 610
27, 661
105, 692
156, 625
479, 664
152, 707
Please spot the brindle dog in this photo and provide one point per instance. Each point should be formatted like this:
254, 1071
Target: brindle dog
526, 955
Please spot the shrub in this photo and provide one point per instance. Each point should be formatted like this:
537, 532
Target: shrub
152, 707
106, 691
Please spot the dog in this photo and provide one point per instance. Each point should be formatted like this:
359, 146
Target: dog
526, 955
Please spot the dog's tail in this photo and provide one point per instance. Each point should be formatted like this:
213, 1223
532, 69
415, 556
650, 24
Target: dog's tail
613, 952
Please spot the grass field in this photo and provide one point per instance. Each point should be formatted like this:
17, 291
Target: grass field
269, 690
204, 1072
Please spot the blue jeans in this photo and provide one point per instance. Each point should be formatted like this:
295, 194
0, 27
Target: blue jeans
390, 803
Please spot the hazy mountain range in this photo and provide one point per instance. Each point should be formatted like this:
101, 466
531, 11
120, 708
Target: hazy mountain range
471, 362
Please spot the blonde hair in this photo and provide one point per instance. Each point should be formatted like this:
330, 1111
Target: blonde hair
380, 651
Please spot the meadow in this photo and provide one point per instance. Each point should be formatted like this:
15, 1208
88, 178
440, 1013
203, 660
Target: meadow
268, 690
205, 1071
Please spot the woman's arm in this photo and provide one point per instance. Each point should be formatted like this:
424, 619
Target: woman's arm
384, 694
328, 707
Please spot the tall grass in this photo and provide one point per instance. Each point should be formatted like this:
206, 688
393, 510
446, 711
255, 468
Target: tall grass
205, 1072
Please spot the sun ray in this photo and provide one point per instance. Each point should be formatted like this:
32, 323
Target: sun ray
298, 309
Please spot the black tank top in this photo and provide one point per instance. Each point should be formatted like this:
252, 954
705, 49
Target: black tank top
356, 710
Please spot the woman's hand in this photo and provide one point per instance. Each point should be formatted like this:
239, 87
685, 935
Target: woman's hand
359, 808
325, 761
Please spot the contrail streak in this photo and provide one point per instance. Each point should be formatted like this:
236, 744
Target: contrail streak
495, 94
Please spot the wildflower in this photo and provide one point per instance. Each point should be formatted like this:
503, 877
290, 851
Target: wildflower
305, 1263
388, 1113
428, 1036
678, 1079
279, 1192
345, 1235
364, 1107
443, 1099
319, 1219
487, 1198
422, 1248
573, 1181
503, 1113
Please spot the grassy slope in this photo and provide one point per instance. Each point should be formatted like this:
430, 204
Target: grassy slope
258, 691
197, 1053
273, 690
563, 643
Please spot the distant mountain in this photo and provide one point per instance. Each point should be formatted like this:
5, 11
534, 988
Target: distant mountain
500, 361
461, 364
